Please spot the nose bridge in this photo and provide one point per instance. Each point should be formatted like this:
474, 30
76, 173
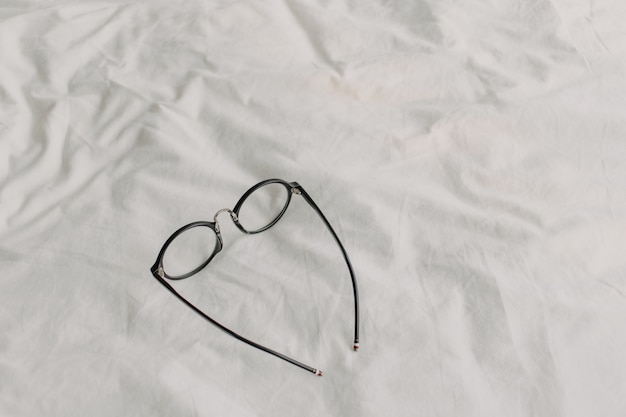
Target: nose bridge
233, 216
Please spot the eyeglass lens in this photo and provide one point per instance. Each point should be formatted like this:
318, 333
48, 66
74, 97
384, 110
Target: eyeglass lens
189, 250
263, 206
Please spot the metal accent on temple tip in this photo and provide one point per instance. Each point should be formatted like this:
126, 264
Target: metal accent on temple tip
318, 372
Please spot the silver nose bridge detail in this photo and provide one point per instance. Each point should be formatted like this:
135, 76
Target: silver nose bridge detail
233, 216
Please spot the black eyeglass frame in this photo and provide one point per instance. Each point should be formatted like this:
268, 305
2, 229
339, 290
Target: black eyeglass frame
161, 275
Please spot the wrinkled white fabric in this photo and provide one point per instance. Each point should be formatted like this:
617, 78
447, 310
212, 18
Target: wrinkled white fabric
469, 154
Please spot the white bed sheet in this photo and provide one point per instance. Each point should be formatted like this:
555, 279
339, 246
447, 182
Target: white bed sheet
471, 155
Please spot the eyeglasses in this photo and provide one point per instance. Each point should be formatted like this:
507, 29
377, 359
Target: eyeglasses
189, 249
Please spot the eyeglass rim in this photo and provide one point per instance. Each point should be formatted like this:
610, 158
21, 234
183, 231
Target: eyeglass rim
212, 225
288, 187
218, 247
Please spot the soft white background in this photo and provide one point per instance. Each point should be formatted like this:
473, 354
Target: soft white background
470, 154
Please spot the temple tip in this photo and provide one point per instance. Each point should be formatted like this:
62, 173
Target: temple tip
318, 372
356, 346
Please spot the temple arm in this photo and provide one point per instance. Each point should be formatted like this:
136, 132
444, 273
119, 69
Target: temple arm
297, 189
157, 275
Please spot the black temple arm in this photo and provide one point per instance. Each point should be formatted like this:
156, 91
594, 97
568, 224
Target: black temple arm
299, 190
